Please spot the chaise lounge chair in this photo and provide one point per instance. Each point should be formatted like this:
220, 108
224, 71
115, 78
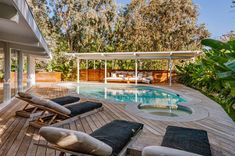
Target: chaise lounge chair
179, 141
110, 140
31, 109
60, 114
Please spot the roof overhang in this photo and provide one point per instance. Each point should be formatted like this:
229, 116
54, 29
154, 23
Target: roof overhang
137, 55
19, 29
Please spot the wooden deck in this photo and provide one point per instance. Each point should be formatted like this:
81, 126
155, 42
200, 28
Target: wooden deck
17, 138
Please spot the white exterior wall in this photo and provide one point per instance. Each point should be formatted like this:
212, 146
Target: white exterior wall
31, 80
7, 73
20, 66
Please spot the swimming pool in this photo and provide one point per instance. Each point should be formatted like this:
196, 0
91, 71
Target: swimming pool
153, 100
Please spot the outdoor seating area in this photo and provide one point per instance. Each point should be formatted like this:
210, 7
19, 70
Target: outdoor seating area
28, 111
135, 76
128, 77
58, 110
102, 78
19, 138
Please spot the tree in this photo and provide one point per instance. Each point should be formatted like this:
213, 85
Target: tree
41, 11
227, 37
162, 25
83, 25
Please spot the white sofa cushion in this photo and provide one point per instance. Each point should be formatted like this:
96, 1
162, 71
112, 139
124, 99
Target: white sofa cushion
75, 141
121, 76
113, 75
140, 75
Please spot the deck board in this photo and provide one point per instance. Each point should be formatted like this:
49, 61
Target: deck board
17, 138
27, 139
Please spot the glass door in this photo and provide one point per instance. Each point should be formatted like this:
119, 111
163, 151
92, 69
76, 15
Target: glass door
13, 73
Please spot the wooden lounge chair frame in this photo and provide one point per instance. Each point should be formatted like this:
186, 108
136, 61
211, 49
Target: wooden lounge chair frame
64, 151
31, 109
28, 111
46, 120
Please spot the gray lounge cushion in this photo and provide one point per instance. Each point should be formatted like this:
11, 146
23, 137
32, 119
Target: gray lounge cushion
83, 107
187, 139
50, 104
59, 100
117, 134
75, 141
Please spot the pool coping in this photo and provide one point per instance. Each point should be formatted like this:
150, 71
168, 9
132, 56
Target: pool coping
198, 110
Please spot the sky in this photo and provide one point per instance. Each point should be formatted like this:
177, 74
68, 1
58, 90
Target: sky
218, 15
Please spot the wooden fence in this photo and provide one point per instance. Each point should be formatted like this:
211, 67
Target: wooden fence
159, 76
40, 77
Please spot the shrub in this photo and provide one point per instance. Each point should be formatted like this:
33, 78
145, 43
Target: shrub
213, 73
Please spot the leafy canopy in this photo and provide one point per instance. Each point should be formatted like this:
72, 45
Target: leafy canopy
100, 25
214, 72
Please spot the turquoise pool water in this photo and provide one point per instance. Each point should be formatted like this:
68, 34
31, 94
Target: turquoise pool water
130, 93
152, 100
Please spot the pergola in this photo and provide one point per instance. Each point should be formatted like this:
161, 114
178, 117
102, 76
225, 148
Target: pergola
162, 55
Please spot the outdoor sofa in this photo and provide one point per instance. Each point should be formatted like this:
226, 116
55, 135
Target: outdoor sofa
179, 141
31, 109
109, 140
129, 77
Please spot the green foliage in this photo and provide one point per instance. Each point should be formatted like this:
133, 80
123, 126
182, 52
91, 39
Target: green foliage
160, 25
59, 63
213, 73
99, 25
14, 64
1, 75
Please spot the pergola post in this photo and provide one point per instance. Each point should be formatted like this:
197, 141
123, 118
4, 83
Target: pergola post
170, 66
105, 71
30, 71
168, 70
87, 70
136, 71
7, 73
78, 70
112, 64
20, 65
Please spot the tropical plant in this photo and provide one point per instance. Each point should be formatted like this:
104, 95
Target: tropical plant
213, 73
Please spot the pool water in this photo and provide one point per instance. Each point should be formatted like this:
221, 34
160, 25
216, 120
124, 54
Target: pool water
130, 94
149, 99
